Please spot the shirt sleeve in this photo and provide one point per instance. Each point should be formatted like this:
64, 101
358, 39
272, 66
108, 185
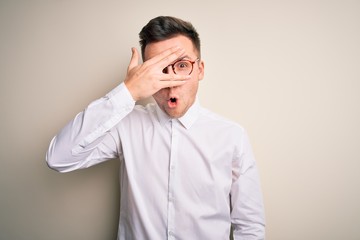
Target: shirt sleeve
247, 209
89, 138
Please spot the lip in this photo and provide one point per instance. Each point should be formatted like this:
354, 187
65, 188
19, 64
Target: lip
172, 102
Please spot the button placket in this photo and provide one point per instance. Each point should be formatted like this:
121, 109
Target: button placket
172, 173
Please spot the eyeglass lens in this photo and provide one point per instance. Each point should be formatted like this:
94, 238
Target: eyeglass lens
182, 67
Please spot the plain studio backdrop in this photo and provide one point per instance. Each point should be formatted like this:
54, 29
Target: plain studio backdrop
288, 71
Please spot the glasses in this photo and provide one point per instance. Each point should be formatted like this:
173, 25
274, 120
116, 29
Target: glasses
181, 67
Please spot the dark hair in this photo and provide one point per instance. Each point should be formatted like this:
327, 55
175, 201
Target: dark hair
165, 27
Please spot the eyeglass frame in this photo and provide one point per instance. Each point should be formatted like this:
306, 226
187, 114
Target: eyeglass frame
173, 65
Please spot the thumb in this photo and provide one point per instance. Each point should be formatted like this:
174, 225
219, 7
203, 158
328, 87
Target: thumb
134, 61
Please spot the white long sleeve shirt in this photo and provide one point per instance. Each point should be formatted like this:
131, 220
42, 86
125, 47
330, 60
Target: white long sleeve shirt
189, 178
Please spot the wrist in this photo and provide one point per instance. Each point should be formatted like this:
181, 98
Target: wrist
131, 90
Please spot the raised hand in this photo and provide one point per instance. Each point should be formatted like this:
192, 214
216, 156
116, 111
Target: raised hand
143, 80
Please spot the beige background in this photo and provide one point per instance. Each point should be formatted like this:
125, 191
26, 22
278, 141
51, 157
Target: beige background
288, 71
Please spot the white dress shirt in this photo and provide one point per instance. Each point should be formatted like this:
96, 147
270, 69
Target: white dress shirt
189, 178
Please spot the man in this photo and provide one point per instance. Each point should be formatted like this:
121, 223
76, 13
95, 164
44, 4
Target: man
186, 173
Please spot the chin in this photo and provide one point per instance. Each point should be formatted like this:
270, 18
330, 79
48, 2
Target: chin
175, 114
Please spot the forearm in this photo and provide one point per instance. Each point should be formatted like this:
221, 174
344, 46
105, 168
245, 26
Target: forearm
247, 210
87, 139
248, 218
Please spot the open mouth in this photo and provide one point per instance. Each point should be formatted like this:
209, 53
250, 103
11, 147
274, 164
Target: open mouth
172, 102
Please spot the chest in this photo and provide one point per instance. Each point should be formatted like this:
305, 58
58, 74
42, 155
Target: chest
198, 158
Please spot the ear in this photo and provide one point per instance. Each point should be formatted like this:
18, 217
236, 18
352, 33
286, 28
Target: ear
201, 70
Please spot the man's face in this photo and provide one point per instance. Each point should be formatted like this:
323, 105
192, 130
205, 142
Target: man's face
177, 100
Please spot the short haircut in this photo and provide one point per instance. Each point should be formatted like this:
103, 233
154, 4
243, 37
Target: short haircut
165, 27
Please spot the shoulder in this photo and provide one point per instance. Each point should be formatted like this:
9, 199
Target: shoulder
216, 119
219, 127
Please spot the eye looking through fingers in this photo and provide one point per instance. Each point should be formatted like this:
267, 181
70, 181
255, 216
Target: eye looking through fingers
181, 66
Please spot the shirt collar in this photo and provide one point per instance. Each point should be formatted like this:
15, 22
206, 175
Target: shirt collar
187, 120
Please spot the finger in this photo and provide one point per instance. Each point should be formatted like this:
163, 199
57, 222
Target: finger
134, 61
173, 77
166, 57
172, 80
174, 83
